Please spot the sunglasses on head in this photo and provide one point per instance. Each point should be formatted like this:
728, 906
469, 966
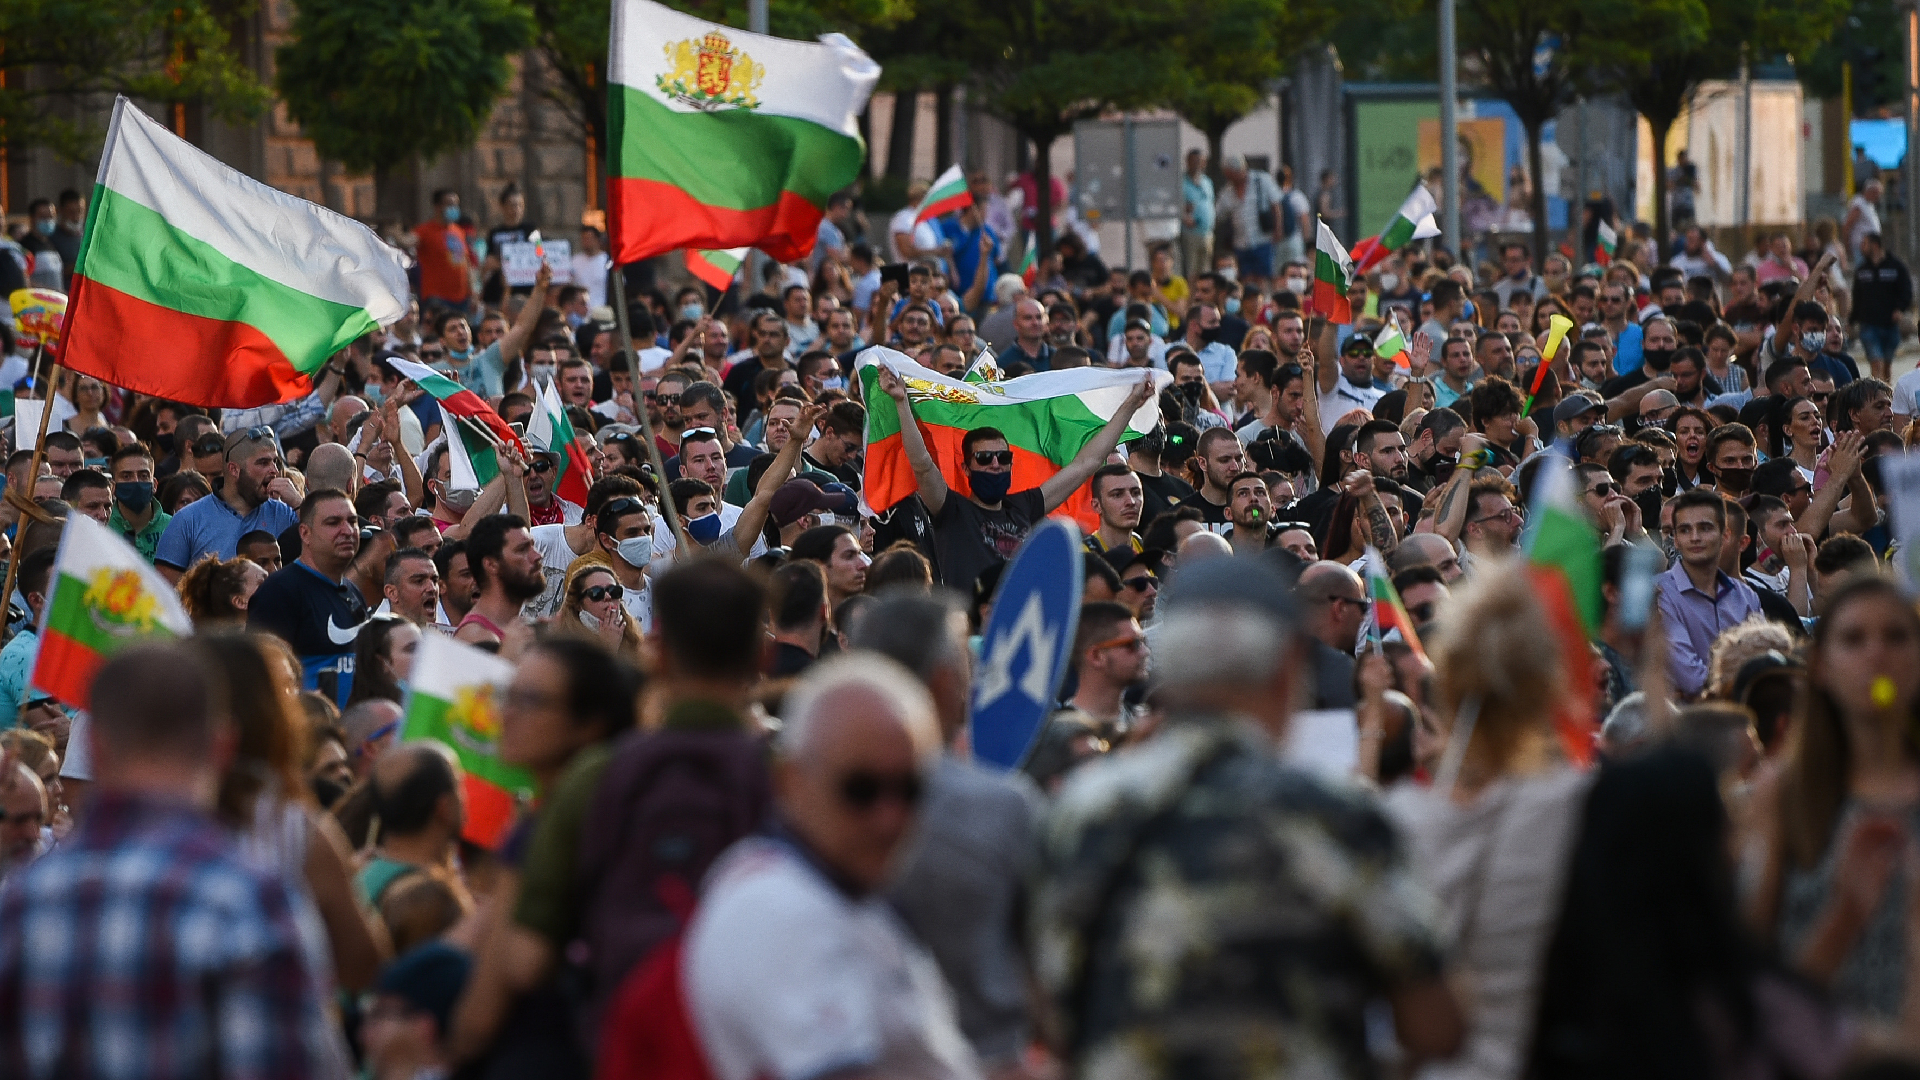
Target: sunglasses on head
863, 790
993, 457
625, 504
597, 593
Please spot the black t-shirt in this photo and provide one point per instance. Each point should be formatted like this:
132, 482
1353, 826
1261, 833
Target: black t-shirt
1161, 494
1214, 514
321, 619
970, 538
1620, 384
845, 472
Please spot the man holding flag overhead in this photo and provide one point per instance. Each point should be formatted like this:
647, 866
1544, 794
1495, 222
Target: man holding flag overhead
987, 521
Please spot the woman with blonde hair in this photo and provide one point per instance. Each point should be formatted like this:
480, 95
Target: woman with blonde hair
595, 607
264, 799
1493, 835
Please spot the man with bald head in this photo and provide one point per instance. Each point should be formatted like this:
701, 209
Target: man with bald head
331, 465
24, 799
372, 727
1657, 406
794, 964
1426, 549
422, 805
1332, 607
1030, 342
1201, 546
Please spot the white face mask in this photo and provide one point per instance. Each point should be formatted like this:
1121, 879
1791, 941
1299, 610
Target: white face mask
1389, 282
544, 372
1814, 340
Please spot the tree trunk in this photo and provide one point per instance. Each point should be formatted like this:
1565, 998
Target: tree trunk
1222, 229
942, 128
1662, 223
1539, 192
906, 109
1043, 191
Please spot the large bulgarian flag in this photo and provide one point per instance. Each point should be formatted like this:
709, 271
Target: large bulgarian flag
454, 698
1047, 418
197, 283
460, 408
718, 138
549, 429
103, 598
1563, 556
1332, 274
1413, 221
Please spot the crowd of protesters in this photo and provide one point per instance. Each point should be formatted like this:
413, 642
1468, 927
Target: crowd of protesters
760, 846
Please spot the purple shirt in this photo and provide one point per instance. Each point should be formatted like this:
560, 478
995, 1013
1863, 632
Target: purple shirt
1694, 620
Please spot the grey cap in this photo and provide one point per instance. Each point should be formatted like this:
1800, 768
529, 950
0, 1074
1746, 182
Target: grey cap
1574, 405
1255, 584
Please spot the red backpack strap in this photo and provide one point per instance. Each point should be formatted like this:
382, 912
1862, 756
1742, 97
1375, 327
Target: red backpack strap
648, 1033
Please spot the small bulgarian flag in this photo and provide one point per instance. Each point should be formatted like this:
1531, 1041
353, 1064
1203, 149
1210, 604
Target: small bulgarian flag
549, 429
1608, 241
716, 268
949, 193
1388, 612
454, 698
1563, 556
1413, 221
1392, 345
197, 283
1030, 260
459, 403
1047, 417
104, 598
1332, 273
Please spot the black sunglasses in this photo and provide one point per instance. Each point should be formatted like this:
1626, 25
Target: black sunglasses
540, 465
669, 400
993, 457
209, 444
1141, 583
597, 593
863, 790
1603, 490
433, 354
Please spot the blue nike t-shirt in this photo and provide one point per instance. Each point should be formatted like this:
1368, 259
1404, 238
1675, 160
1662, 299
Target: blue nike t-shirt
319, 617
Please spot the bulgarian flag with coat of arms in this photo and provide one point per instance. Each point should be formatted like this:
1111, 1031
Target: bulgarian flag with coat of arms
1047, 418
454, 698
103, 598
718, 138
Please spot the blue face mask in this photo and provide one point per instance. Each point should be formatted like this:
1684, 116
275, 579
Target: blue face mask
95, 462
1233, 305
574, 320
989, 487
45, 227
704, 529
373, 393
1467, 311
692, 311
637, 551
462, 355
451, 213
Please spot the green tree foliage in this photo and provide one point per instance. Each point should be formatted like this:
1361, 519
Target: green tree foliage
1231, 51
1042, 67
1866, 38
1677, 63
77, 54
572, 35
1387, 41
1537, 54
375, 82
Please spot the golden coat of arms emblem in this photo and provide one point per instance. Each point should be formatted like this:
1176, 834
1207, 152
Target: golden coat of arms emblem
710, 74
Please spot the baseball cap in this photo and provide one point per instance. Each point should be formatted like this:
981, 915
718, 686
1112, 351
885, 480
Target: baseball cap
1574, 405
796, 499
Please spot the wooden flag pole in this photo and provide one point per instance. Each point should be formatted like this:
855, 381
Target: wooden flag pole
640, 410
24, 503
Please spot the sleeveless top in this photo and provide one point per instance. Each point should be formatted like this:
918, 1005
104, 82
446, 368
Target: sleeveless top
484, 623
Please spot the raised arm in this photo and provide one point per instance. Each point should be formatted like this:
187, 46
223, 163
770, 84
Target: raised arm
753, 516
514, 341
1324, 341
933, 486
1094, 454
1843, 462
1313, 434
1783, 332
1450, 517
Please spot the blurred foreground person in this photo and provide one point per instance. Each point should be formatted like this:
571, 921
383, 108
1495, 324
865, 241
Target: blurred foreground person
1291, 901
147, 944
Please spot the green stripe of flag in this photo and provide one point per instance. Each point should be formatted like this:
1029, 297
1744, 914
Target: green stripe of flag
153, 261
1054, 428
737, 159
428, 718
71, 616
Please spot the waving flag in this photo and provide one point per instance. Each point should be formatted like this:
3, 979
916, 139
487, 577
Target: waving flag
1047, 418
717, 138
104, 598
200, 284
716, 268
1388, 612
454, 698
1413, 221
1332, 274
549, 429
1563, 553
949, 193
1392, 345
457, 403
1606, 242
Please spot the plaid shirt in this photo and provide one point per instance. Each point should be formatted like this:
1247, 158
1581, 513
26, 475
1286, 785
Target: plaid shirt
146, 947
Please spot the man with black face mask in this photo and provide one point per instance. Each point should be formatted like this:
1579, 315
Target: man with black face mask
135, 515
988, 521
1659, 342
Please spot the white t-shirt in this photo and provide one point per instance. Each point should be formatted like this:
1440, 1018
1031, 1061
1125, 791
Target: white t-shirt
786, 977
925, 236
654, 359
590, 273
555, 556
1906, 394
78, 764
663, 545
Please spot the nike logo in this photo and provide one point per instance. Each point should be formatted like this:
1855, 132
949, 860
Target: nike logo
341, 635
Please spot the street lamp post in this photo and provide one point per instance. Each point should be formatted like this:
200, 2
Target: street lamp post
1449, 130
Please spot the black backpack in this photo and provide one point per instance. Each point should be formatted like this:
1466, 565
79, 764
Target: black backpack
669, 804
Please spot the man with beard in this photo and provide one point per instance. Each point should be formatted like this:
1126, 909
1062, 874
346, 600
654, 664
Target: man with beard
23, 801
543, 506
1118, 498
506, 571
255, 496
310, 603
664, 410
1251, 511
1221, 459
1379, 448
769, 354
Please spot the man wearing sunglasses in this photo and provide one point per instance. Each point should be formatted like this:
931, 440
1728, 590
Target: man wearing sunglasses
1109, 656
988, 522
795, 964
254, 496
